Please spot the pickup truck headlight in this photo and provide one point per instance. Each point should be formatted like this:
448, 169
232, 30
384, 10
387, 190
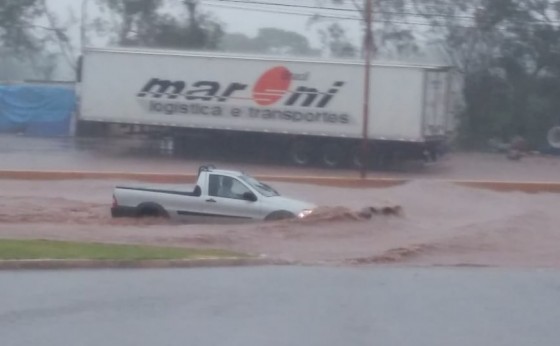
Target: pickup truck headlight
304, 213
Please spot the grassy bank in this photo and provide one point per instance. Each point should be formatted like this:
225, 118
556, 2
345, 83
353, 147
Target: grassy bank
46, 249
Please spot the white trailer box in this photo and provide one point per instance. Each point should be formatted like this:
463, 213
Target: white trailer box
303, 98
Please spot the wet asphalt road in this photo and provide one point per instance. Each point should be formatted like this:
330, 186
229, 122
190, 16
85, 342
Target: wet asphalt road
280, 306
132, 155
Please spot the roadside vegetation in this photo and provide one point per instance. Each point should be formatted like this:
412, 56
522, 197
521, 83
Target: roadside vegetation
47, 249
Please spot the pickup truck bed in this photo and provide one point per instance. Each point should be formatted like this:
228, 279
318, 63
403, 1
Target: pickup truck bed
195, 193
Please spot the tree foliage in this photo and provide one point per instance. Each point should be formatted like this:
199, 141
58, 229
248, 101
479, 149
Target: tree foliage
16, 24
510, 56
142, 23
269, 41
28, 31
336, 42
507, 50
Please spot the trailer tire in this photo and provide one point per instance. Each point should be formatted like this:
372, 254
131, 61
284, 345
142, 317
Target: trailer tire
332, 155
356, 159
301, 153
553, 137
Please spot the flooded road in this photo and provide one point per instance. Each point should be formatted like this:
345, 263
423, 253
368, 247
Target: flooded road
442, 224
281, 306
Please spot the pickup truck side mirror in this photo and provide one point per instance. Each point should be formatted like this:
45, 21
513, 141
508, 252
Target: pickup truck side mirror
249, 196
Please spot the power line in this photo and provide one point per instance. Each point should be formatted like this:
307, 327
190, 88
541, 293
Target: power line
281, 11
262, 9
354, 10
289, 5
396, 13
409, 5
327, 15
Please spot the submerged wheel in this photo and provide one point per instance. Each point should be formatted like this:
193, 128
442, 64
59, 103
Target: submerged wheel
332, 155
151, 210
301, 153
279, 215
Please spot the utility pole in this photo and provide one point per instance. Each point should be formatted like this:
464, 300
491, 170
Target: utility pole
368, 45
83, 38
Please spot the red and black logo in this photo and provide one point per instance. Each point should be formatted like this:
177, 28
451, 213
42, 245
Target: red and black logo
272, 88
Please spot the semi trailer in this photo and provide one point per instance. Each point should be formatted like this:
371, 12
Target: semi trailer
309, 111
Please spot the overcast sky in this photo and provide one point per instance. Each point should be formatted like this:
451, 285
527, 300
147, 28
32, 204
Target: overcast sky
235, 19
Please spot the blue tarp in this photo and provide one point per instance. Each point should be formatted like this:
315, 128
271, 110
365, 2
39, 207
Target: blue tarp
36, 110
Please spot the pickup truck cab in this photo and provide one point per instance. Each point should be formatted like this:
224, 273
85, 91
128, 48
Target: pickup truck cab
218, 194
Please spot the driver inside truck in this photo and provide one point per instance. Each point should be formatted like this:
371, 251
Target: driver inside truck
226, 188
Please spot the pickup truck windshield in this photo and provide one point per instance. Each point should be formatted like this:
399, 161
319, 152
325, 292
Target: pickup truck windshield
262, 188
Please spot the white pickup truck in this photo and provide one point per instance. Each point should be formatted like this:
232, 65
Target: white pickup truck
218, 195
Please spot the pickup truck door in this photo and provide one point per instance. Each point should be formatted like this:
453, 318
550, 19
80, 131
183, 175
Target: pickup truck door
188, 206
225, 199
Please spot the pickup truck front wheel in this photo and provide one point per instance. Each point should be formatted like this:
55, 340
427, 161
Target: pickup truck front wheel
151, 210
279, 215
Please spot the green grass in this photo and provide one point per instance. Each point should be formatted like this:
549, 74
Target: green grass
46, 249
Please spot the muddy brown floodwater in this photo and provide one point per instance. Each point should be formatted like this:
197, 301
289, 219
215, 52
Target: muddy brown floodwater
441, 224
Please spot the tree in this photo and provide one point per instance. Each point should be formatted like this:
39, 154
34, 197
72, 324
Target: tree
58, 35
337, 44
392, 32
277, 41
137, 19
507, 50
16, 18
141, 23
508, 53
237, 42
25, 36
270, 41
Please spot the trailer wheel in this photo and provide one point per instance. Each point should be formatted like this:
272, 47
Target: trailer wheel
553, 137
301, 153
356, 158
332, 155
